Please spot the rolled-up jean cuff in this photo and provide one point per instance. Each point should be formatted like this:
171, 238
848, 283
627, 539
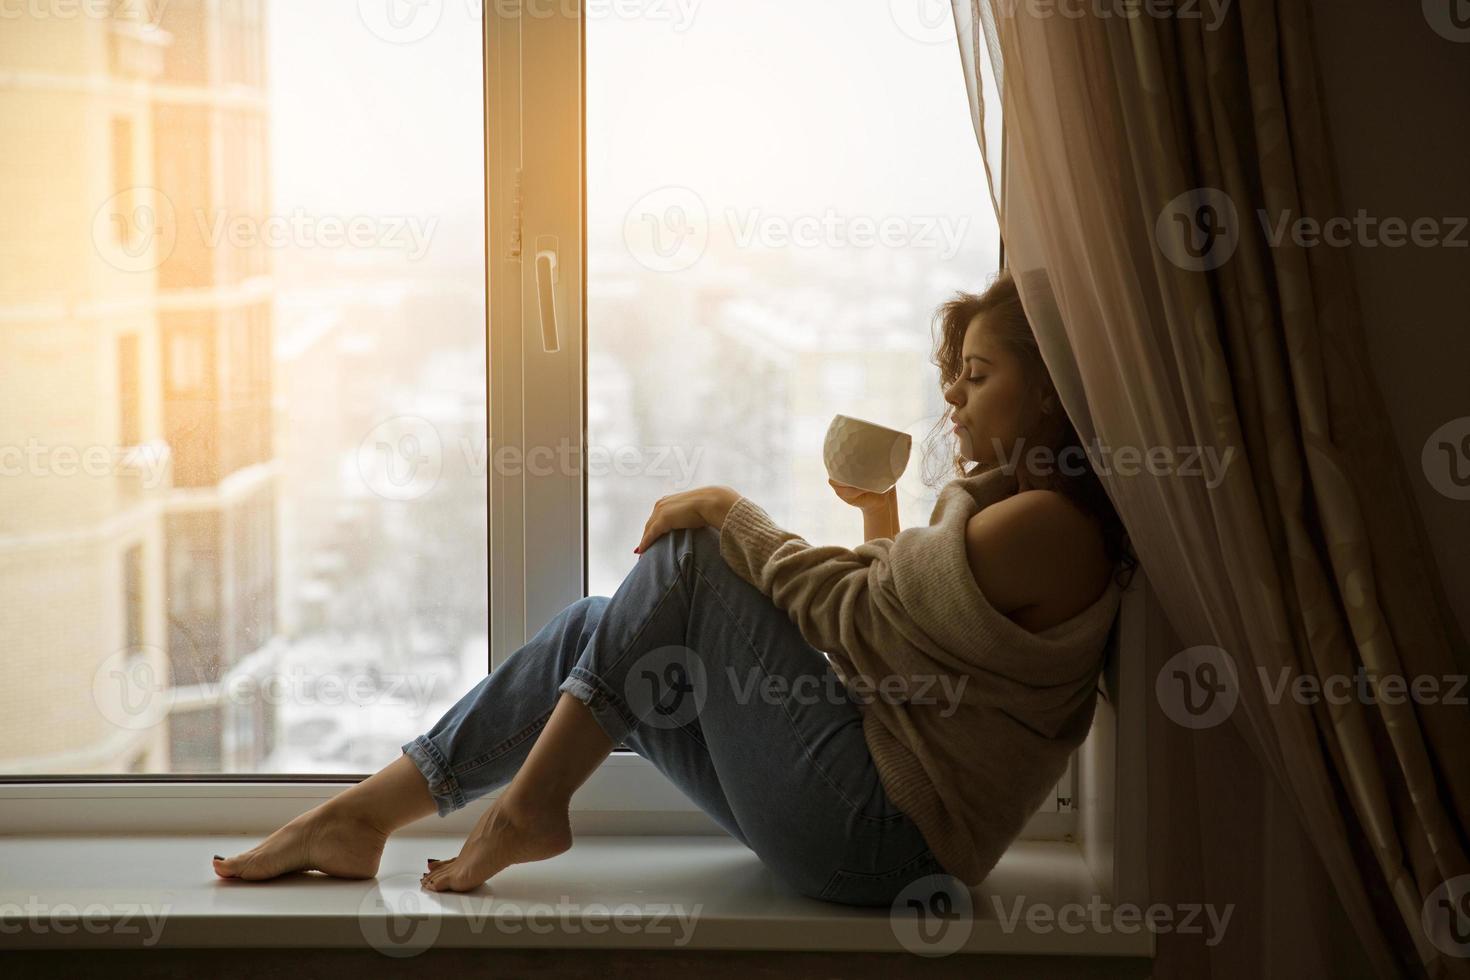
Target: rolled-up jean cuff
443, 787
607, 708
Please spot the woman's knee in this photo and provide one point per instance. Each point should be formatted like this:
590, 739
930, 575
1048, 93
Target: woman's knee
583, 616
699, 546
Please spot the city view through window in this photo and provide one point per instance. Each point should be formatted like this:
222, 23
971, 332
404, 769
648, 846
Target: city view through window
245, 242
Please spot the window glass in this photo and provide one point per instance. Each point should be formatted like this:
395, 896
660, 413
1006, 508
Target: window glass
245, 239
778, 196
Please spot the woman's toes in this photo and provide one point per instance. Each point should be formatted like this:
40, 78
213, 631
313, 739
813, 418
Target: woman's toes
433, 879
226, 867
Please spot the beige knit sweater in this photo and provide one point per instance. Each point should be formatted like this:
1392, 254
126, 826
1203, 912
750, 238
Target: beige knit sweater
980, 715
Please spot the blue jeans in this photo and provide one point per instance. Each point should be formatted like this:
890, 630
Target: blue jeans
700, 673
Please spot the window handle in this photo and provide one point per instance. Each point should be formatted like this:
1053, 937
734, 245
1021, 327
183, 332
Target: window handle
547, 275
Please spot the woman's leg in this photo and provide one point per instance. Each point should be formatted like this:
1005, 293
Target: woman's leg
530, 821
715, 685
784, 735
344, 836
476, 747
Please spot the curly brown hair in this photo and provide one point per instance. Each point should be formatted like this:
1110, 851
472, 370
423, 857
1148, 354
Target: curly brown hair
1006, 322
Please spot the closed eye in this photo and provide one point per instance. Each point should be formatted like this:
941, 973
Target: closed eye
978, 377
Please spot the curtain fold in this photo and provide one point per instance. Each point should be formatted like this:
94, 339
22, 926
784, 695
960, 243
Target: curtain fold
1146, 161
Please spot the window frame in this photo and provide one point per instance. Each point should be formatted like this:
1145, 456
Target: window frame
535, 201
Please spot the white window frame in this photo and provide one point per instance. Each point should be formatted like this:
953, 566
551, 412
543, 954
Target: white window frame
535, 203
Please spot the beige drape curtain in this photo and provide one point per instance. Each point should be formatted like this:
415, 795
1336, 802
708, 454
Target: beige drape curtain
1139, 153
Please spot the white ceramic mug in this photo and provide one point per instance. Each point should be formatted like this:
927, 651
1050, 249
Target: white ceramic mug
865, 454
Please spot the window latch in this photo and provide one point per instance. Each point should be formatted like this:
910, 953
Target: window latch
547, 275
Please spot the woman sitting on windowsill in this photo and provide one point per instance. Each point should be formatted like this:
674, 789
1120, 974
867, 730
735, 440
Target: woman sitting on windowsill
963, 665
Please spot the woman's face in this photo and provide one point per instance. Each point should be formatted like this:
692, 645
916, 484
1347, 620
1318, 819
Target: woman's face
993, 403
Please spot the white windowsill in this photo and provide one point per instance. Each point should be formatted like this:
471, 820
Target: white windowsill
625, 795
102, 890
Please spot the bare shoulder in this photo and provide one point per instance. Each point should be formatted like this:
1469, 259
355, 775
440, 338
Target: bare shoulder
1037, 557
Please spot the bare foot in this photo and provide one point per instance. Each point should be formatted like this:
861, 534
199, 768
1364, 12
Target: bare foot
506, 834
322, 839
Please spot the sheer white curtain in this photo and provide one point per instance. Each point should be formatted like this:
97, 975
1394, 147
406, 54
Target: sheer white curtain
1266, 499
